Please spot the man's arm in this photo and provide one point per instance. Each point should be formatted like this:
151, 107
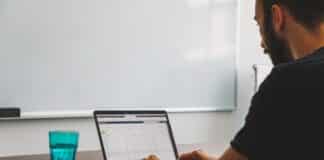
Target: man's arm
229, 154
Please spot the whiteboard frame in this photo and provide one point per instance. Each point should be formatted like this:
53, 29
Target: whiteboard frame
89, 113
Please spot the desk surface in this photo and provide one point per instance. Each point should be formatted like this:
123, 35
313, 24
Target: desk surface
97, 155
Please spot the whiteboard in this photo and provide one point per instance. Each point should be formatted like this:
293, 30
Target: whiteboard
261, 72
100, 54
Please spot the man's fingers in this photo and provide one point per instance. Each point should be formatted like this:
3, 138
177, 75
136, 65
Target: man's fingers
201, 155
195, 155
186, 156
152, 157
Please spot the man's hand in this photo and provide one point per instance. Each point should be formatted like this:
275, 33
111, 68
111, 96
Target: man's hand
152, 157
196, 155
230, 154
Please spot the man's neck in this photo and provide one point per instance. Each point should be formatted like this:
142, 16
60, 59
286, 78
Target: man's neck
303, 42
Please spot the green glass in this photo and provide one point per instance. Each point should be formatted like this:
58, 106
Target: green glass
63, 144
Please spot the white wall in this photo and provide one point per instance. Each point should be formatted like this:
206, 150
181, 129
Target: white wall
30, 136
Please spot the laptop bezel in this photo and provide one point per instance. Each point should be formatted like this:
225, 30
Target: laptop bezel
98, 112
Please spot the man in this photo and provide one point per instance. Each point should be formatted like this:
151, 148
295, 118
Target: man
285, 121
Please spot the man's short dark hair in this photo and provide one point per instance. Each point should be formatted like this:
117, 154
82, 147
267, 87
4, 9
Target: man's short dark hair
309, 13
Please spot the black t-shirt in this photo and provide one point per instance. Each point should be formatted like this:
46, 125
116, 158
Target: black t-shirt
286, 117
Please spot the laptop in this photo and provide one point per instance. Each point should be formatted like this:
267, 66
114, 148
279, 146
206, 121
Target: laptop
134, 135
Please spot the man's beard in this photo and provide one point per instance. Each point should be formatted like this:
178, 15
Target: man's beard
277, 48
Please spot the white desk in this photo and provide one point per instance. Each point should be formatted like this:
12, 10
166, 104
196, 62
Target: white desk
97, 155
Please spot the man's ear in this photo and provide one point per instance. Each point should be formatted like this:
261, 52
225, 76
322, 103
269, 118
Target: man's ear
278, 18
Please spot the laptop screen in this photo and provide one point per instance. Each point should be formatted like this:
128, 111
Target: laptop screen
135, 136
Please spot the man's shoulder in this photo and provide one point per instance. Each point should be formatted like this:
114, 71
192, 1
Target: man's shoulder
306, 64
303, 73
